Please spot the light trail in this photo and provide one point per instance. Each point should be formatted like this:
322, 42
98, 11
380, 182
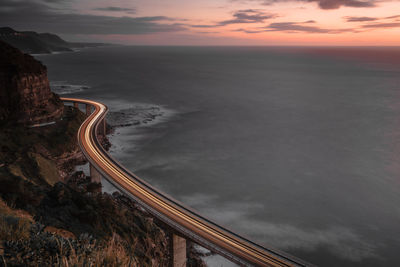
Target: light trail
183, 219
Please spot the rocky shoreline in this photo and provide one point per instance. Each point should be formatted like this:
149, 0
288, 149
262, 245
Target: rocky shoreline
69, 216
51, 215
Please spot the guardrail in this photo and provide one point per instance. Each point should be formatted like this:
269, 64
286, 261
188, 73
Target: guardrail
182, 219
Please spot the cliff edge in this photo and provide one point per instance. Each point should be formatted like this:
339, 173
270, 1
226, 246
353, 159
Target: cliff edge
51, 215
25, 95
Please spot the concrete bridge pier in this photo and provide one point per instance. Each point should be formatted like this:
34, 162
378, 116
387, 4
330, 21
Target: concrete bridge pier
178, 247
103, 127
95, 176
88, 109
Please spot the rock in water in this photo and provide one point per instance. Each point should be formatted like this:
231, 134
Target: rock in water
25, 95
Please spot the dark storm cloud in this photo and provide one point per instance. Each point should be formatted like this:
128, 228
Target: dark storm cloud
360, 19
34, 15
323, 4
116, 9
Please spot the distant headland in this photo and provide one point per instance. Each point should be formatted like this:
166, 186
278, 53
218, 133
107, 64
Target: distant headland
40, 43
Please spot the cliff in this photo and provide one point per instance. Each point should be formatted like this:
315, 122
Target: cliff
25, 95
49, 214
53, 216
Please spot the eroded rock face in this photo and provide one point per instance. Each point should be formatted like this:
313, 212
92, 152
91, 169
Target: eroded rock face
25, 95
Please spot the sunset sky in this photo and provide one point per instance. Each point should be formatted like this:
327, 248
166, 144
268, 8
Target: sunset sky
211, 22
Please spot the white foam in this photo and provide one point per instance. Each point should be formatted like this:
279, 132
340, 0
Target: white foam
65, 88
131, 121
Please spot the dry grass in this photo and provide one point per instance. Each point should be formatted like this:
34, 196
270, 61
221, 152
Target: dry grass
16, 170
13, 228
10, 211
113, 254
14, 224
47, 168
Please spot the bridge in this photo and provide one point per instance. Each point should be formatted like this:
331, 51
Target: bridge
186, 223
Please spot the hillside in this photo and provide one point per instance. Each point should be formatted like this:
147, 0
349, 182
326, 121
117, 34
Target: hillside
51, 215
39, 43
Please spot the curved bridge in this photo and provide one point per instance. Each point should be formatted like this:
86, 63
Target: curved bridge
182, 219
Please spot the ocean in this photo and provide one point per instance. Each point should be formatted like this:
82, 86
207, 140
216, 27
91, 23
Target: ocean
294, 148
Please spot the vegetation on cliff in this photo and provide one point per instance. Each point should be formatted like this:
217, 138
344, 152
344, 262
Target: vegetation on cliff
51, 215
48, 221
39, 43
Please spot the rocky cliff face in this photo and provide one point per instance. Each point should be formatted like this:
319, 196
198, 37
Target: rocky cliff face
25, 95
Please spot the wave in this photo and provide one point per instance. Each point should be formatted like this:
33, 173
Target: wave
131, 123
64, 88
138, 114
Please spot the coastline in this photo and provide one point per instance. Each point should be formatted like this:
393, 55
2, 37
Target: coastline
130, 124
129, 136
205, 136
49, 212
189, 225
73, 50
56, 212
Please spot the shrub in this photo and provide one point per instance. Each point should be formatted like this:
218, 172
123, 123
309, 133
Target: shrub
13, 228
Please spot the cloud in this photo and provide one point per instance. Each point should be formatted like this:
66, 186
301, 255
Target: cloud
359, 19
34, 15
393, 17
248, 31
247, 16
214, 32
116, 9
204, 26
53, 1
211, 32
335, 4
295, 27
244, 16
323, 4
382, 25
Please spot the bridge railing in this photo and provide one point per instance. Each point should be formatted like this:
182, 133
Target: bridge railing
262, 256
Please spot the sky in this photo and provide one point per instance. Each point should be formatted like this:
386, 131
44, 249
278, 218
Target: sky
211, 22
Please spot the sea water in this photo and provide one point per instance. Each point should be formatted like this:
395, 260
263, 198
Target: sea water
294, 148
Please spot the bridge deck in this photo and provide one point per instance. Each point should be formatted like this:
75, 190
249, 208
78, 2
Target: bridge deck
184, 220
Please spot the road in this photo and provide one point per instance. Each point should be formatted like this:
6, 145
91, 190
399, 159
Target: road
184, 220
